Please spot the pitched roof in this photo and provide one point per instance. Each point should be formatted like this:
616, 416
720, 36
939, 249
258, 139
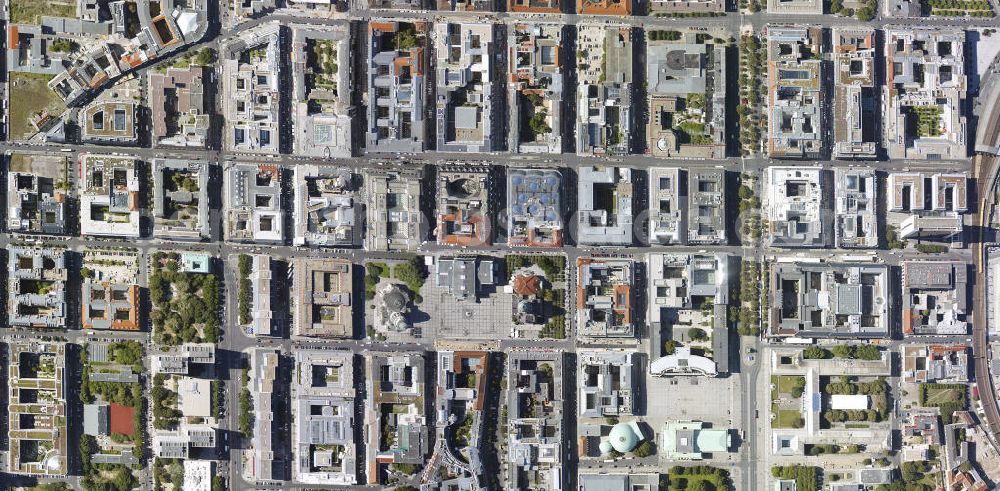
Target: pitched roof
527, 285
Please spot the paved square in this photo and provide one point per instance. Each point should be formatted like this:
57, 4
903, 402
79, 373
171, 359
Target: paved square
441, 315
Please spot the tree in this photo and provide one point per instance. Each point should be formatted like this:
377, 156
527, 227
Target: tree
912, 471
158, 289
176, 471
204, 57
86, 396
799, 387
892, 238
745, 192
697, 334
209, 288
88, 445
408, 469
865, 14
834, 416
373, 270
245, 299
538, 124
246, 412
63, 46
815, 353
932, 248
702, 485
123, 479
867, 352
843, 351
696, 101
406, 36
211, 331
669, 347
51, 486
245, 265
412, 273
804, 476
645, 449
470, 380
127, 353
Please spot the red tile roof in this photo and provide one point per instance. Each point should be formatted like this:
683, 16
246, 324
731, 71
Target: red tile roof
527, 285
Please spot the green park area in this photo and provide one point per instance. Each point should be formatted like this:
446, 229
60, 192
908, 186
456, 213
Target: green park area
698, 478
948, 398
805, 477
185, 304
958, 8
786, 397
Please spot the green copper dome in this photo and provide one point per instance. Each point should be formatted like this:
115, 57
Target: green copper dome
623, 437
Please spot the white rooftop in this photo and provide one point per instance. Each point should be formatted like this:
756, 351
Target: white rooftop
842, 402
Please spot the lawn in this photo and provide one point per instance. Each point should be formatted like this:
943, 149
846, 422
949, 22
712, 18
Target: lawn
700, 477
790, 387
937, 394
804, 476
948, 398
785, 418
30, 95
31, 11
787, 384
959, 8
692, 127
692, 482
